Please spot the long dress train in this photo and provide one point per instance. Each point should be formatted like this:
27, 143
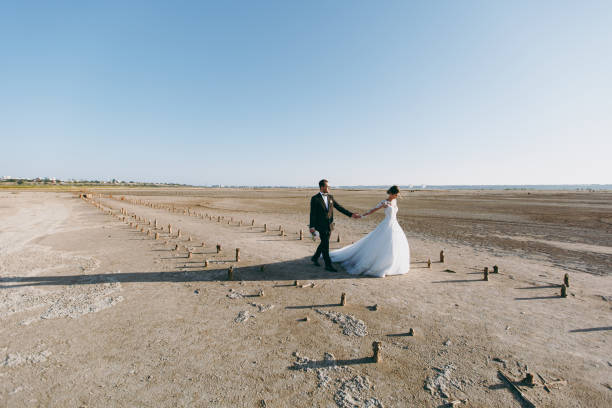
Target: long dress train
384, 251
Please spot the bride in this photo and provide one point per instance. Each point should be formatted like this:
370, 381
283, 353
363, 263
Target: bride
384, 251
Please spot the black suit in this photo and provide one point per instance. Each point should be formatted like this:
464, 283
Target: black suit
322, 219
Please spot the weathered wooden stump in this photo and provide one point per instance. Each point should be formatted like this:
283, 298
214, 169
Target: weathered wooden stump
282, 233
178, 233
189, 255
261, 293
338, 240
169, 229
176, 247
157, 235
495, 269
252, 223
377, 349
230, 273
206, 263
411, 332
218, 219
218, 248
566, 280
301, 235
190, 239
295, 283
563, 291
442, 256
265, 227
528, 380
486, 273
203, 244
237, 254
429, 263
343, 299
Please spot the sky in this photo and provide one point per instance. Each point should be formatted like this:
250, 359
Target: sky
289, 92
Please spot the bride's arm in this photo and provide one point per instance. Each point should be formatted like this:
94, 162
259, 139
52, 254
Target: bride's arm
382, 204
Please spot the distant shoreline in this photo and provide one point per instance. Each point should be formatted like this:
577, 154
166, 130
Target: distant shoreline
518, 187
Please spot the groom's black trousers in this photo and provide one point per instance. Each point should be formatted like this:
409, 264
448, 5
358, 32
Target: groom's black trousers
323, 247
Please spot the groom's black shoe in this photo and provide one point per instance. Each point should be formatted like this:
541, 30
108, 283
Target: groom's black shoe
315, 261
330, 268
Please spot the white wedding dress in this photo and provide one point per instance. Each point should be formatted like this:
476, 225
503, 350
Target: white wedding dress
384, 251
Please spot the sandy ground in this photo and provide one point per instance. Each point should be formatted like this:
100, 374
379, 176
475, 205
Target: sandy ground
97, 313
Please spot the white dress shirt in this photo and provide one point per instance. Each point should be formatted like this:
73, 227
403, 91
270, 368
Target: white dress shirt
325, 199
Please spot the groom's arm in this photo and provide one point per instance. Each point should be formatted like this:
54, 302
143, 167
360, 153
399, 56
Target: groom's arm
342, 209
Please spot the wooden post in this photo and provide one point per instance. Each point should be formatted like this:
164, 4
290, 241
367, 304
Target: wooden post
280, 227
189, 255
301, 235
282, 233
206, 263
176, 247
441, 256
261, 293
338, 238
495, 269
411, 332
169, 229
240, 223
253, 223
237, 254
218, 248
230, 273
178, 234
429, 263
295, 283
265, 227
343, 299
563, 291
377, 349
219, 219
157, 235
486, 273
202, 244
566, 280
189, 239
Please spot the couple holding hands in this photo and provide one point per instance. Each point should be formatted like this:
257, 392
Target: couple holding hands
384, 251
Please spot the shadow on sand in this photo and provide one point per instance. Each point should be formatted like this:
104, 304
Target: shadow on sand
297, 269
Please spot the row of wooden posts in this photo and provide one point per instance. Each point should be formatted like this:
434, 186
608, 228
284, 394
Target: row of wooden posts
132, 224
220, 218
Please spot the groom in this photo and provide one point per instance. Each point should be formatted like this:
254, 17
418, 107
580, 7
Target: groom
322, 220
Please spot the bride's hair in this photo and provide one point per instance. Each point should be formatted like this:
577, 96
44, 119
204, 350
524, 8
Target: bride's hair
393, 190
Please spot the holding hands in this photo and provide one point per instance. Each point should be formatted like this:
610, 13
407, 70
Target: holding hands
357, 216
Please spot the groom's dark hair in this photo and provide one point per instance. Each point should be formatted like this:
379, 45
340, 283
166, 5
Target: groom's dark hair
322, 183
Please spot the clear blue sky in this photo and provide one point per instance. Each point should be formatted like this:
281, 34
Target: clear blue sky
288, 92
